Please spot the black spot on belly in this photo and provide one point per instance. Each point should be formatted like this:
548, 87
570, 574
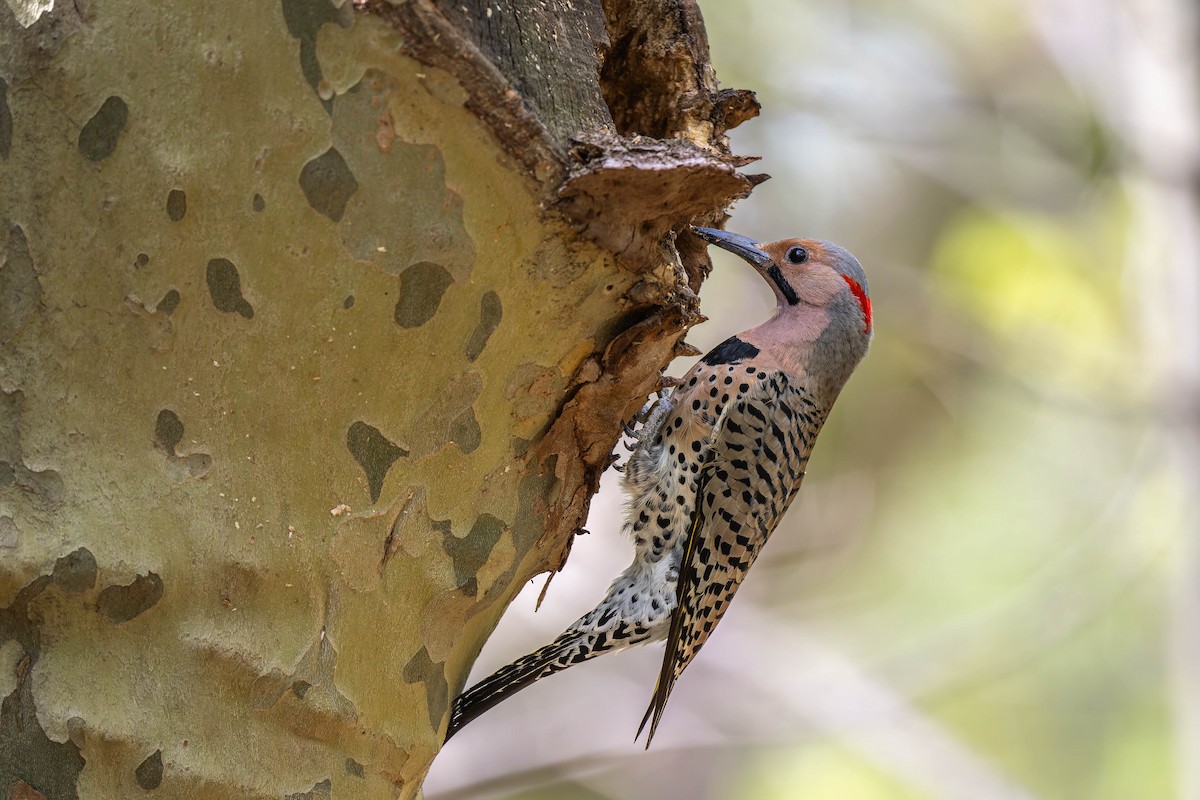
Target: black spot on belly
98, 139
374, 453
225, 286
328, 184
421, 288
123, 603
176, 204
731, 351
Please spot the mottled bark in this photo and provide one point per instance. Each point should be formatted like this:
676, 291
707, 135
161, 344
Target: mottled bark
317, 328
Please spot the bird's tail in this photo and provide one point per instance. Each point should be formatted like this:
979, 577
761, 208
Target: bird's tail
570, 648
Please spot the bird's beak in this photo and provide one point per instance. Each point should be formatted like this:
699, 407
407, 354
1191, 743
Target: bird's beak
739, 245
748, 249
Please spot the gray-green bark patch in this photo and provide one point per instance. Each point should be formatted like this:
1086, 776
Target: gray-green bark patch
374, 453
404, 175
20, 291
6, 122
328, 184
449, 417
99, 137
421, 669
168, 433
169, 302
176, 204
304, 18
123, 603
320, 791
258, 203
472, 551
490, 312
225, 286
76, 571
532, 495
10, 534
465, 431
45, 487
421, 288
150, 772
26, 752
168, 430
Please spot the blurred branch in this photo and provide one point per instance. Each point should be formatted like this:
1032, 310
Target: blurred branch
938, 662
809, 685
1148, 82
1166, 411
527, 779
813, 683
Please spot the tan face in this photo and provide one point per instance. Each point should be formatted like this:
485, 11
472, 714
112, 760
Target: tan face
804, 268
802, 271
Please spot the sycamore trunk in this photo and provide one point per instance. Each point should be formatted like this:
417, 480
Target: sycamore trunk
317, 327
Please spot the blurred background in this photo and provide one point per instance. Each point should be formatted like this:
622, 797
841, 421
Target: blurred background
989, 586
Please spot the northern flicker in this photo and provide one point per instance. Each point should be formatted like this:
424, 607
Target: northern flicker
715, 466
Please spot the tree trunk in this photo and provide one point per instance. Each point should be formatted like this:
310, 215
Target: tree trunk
317, 328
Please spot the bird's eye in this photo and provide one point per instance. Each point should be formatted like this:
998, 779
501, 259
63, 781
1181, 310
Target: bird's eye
797, 255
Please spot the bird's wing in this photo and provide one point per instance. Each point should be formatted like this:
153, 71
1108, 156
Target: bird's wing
752, 468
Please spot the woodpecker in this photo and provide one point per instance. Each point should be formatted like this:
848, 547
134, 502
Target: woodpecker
715, 466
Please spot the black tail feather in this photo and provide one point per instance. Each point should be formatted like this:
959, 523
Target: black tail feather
563, 652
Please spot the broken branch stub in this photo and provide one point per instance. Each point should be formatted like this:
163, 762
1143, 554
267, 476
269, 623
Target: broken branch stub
613, 112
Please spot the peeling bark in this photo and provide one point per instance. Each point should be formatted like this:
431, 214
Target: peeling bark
318, 361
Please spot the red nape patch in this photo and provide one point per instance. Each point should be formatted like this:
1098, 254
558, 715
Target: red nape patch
862, 298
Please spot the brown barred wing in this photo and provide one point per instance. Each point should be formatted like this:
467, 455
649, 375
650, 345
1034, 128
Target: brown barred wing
752, 471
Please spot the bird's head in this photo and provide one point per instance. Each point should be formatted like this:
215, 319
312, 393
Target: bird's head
804, 272
821, 291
